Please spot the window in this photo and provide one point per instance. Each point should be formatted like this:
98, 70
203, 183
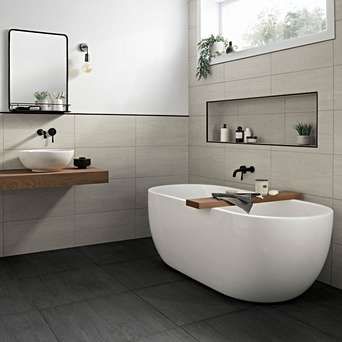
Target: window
261, 26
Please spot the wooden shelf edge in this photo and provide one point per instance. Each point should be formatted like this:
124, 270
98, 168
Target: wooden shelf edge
26, 179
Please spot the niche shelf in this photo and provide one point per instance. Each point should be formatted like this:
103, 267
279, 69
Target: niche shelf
26, 179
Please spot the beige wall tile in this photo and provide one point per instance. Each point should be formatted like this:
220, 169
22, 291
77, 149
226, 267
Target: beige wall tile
105, 227
37, 204
320, 80
338, 9
337, 266
197, 130
168, 131
312, 56
252, 67
303, 172
161, 161
20, 131
207, 162
205, 180
267, 105
105, 131
142, 226
260, 86
338, 42
119, 161
143, 184
337, 234
21, 237
119, 194
261, 160
338, 87
304, 103
337, 177
338, 131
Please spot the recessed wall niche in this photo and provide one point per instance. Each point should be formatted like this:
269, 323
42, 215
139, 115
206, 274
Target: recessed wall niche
283, 120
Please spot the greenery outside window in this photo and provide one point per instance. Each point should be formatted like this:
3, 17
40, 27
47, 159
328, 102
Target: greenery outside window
261, 26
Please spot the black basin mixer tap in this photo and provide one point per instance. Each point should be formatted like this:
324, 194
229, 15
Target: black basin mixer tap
243, 169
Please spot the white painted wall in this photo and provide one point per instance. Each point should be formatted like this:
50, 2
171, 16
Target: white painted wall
138, 50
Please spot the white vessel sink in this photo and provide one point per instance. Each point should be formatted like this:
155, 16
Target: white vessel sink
46, 160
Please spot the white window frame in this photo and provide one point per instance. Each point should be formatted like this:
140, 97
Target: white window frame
329, 34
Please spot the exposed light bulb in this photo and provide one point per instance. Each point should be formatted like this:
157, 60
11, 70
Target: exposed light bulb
87, 67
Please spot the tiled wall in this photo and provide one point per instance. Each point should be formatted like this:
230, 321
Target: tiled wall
139, 152
315, 172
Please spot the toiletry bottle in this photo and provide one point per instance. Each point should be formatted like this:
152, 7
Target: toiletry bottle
239, 135
224, 133
247, 134
230, 48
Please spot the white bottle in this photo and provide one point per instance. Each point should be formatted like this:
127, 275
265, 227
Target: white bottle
248, 133
224, 134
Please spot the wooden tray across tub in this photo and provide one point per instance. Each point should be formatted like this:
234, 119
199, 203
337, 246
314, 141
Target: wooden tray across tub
209, 202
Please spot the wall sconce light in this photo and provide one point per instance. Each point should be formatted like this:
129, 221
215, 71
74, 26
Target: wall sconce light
87, 68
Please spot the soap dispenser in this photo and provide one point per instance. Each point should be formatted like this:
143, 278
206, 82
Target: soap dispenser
239, 133
248, 133
224, 136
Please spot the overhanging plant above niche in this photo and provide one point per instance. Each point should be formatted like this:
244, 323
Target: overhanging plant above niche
209, 48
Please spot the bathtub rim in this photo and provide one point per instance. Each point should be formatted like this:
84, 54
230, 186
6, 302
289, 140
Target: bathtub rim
328, 211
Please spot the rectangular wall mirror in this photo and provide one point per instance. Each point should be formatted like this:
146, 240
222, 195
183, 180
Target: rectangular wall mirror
286, 120
38, 71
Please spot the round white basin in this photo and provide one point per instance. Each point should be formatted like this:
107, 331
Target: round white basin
46, 160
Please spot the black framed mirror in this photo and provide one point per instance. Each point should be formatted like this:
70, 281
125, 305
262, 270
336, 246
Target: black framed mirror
38, 72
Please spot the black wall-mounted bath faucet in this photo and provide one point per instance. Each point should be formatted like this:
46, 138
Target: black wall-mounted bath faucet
243, 169
50, 133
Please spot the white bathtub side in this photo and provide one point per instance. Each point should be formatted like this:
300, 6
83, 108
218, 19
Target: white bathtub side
246, 257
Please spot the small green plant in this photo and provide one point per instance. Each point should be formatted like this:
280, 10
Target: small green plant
205, 55
41, 95
58, 95
303, 129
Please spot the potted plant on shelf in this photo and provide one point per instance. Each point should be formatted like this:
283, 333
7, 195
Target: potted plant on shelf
304, 133
209, 48
42, 99
58, 101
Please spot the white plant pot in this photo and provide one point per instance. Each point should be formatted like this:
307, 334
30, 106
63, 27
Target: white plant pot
58, 105
218, 48
303, 140
44, 105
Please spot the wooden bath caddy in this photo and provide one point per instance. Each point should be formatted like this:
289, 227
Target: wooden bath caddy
209, 202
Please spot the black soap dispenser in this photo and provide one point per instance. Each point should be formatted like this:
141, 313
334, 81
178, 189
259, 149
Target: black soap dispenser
239, 135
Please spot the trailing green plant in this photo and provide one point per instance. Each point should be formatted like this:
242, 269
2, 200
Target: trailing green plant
206, 54
41, 95
303, 129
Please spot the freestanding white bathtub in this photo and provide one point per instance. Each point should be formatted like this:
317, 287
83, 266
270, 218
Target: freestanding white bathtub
273, 254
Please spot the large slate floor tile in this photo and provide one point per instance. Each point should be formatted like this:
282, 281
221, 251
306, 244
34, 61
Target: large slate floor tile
188, 301
26, 327
320, 307
116, 318
142, 273
176, 335
255, 325
121, 251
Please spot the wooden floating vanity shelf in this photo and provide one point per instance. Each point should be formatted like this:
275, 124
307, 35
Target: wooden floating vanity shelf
26, 179
209, 203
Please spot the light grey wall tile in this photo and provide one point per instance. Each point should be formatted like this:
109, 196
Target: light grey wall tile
21, 237
200, 95
161, 161
105, 131
118, 194
257, 66
105, 227
119, 161
142, 226
207, 162
338, 43
338, 9
268, 105
197, 130
338, 131
338, 87
337, 177
312, 56
158, 131
20, 131
337, 266
303, 103
143, 184
337, 235
302, 172
205, 180
193, 39
261, 160
260, 86
38, 203
320, 80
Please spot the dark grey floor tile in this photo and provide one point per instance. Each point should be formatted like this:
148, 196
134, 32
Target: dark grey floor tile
320, 307
143, 273
36, 264
175, 335
188, 301
26, 327
121, 251
117, 318
255, 325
